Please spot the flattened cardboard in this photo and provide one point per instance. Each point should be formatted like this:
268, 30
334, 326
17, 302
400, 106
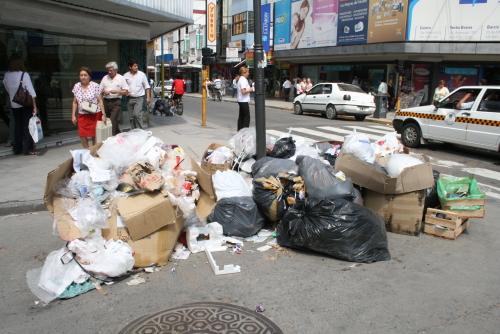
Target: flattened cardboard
370, 177
154, 249
145, 213
63, 171
65, 225
204, 206
204, 179
403, 213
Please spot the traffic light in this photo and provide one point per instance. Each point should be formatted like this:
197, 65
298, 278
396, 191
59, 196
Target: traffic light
208, 56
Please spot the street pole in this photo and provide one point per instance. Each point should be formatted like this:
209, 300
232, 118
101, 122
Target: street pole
260, 107
162, 69
204, 71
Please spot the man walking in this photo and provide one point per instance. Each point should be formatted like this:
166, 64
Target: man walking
287, 86
138, 89
113, 87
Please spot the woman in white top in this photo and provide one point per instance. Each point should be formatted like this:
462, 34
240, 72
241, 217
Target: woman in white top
309, 85
23, 143
243, 98
440, 92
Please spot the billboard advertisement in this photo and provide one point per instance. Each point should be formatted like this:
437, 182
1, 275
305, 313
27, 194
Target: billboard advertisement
313, 23
282, 24
211, 24
266, 26
387, 20
353, 22
458, 20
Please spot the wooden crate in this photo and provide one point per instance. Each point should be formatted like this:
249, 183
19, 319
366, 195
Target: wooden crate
466, 202
450, 226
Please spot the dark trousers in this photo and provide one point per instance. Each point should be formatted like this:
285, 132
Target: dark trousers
23, 143
286, 93
244, 117
113, 112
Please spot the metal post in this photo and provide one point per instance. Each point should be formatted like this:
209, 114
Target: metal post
162, 69
260, 107
204, 93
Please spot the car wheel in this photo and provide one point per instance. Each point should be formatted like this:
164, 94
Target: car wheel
410, 135
297, 108
360, 117
331, 113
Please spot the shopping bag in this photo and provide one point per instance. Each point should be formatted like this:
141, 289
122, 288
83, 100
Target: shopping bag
35, 128
103, 131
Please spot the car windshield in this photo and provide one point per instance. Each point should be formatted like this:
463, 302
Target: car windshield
350, 88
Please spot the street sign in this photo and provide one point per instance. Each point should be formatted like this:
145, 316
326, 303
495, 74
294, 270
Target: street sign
211, 24
231, 53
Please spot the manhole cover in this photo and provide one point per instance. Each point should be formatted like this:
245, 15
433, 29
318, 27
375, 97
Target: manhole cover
206, 318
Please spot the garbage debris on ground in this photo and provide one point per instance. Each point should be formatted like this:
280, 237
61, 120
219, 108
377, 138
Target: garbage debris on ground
136, 280
259, 308
461, 195
227, 269
446, 224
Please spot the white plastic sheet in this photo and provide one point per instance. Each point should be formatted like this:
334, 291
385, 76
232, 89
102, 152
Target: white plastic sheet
360, 146
88, 215
123, 149
398, 162
230, 184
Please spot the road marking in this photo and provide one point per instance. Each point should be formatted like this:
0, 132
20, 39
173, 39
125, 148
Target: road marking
319, 134
381, 127
492, 194
361, 128
483, 172
347, 132
298, 139
446, 163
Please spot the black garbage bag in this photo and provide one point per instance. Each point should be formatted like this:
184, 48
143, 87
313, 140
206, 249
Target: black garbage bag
284, 148
330, 158
337, 228
238, 216
269, 166
321, 182
431, 195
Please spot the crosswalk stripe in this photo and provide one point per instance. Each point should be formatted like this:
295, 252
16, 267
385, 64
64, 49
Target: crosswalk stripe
483, 172
381, 127
361, 128
347, 132
297, 138
319, 134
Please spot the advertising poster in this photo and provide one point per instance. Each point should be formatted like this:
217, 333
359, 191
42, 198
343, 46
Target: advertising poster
282, 24
387, 20
266, 26
455, 77
353, 22
211, 24
459, 20
313, 23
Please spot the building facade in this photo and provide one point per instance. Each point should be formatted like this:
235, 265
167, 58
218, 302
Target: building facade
55, 38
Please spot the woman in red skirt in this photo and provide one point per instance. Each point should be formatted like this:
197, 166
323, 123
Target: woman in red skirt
88, 103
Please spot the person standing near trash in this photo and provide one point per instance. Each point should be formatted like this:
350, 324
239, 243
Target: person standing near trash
16, 78
113, 87
235, 85
138, 89
243, 99
87, 102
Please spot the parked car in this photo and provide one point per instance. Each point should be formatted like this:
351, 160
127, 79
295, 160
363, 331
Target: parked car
332, 99
157, 87
469, 116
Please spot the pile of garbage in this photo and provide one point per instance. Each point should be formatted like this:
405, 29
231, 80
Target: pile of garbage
134, 202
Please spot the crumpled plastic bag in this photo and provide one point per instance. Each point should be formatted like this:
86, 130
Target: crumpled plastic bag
360, 146
238, 216
337, 228
220, 155
35, 129
269, 166
396, 163
230, 184
88, 215
145, 176
284, 148
111, 258
243, 143
122, 149
306, 150
388, 144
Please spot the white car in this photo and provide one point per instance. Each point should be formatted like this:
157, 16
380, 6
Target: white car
468, 116
168, 87
332, 99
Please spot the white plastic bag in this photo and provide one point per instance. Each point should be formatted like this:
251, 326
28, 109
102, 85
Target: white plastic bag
398, 162
122, 150
58, 272
88, 215
220, 155
243, 143
80, 183
306, 150
230, 184
360, 146
35, 128
111, 258
388, 144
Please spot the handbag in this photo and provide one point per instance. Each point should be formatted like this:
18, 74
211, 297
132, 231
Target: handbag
103, 130
22, 96
89, 107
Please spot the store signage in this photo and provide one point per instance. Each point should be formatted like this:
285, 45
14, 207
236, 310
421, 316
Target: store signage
211, 24
266, 26
443, 20
231, 53
353, 22
282, 12
237, 44
387, 21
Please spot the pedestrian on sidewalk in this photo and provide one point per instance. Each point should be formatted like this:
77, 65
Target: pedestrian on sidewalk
309, 84
139, 89
287, 86
88, 102
14, 77
298, 87
113, 87
235, 85
243, 99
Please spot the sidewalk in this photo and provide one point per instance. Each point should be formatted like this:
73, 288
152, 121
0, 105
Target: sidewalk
283, 105
23, 177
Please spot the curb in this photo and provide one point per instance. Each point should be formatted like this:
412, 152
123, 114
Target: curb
20, 207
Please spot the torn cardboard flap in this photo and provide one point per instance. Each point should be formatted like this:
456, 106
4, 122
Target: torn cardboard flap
205, 205
204, 178
63, 171
374, 178
65, 225
145, 213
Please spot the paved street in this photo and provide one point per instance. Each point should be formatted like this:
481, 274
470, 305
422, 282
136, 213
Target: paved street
430, 285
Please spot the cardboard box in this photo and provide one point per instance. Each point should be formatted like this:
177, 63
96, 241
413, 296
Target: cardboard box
446, 224
204, 179
210, 167
370, 177
402, 213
